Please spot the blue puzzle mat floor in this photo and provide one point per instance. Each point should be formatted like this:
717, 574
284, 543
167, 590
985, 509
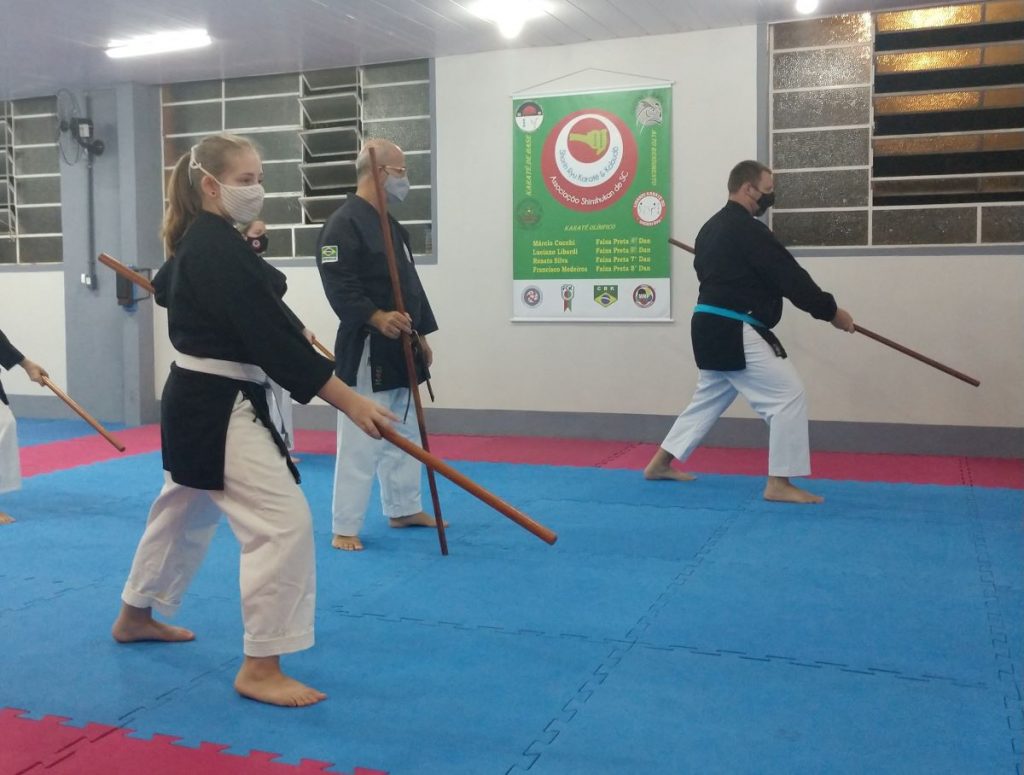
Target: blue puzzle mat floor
674, 628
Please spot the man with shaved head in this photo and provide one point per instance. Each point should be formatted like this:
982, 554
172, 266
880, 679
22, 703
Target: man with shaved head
354, 271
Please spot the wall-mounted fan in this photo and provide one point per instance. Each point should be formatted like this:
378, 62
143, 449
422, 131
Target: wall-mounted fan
74, 131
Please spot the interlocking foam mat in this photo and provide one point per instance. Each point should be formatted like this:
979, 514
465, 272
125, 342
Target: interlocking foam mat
674, 628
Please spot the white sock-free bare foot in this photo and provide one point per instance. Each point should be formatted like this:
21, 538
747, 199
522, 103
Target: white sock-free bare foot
137, 624
420, 519
261, 679
347, 543
780, 490
5, 518
660, 469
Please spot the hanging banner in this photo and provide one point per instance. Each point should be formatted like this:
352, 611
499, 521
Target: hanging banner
591, 195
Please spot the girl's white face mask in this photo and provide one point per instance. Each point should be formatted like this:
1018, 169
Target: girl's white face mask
241, 203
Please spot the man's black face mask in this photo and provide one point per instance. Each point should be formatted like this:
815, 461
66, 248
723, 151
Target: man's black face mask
766, 201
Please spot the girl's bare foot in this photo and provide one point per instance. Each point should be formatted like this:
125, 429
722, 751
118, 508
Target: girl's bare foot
347, 543
137, 624
5, 519
660, 469
780, 490
261, 679
422, 519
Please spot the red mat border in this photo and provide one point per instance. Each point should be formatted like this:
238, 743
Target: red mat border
847, 466
34, 745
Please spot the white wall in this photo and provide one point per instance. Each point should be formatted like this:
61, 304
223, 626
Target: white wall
32, 316
963, 310
483, 360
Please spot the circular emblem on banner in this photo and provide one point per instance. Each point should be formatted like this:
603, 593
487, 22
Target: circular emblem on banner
589, 160
644, 296
529, 116
649, 208
532, 296
529, 213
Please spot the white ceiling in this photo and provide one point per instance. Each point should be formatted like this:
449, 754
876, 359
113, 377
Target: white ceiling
49, 44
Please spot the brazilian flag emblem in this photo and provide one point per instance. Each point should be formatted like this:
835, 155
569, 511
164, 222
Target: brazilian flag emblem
328, 253
606, 295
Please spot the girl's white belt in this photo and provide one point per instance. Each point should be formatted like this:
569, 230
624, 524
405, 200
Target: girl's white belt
247, 372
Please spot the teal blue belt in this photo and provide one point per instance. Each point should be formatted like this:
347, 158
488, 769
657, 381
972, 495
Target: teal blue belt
729, 313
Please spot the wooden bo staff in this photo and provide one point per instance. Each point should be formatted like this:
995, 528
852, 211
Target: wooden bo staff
410, 361
883, 340
127, 272
432, 462
916, 355
143, 282
323, 350
682, 245
77, 409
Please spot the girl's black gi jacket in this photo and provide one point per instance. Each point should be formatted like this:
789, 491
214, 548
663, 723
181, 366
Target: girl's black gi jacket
9, 358
223, 301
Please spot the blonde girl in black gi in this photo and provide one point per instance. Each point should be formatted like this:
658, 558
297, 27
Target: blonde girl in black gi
221, 454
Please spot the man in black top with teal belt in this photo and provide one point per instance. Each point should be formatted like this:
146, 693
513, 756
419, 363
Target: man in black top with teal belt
744, 274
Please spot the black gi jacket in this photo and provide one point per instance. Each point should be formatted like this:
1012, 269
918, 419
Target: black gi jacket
354, 270
223, 301
10, 357
741, 266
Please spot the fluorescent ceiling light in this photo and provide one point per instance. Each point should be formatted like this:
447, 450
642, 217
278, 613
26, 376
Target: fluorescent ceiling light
510, 16
158, 43
806, 6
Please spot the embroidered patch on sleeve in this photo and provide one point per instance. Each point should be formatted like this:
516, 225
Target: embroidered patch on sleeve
328, 254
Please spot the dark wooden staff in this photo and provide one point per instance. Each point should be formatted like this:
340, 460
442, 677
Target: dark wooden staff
432, 462
916, 355
410, 360
77, 409
682, 245
143, 282
883, 340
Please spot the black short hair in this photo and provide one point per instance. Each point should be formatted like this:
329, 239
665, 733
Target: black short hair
748, 171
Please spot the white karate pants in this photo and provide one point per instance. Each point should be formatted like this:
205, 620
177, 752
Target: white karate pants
774, 390
10, 463
361, 457
271, 520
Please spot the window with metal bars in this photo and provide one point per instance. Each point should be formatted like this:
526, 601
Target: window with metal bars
309, 127
30, 201
900, 128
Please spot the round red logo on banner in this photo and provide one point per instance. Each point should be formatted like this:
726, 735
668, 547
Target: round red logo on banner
589, 160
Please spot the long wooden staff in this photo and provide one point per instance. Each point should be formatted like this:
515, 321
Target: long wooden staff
77, 409
323, 350
916, 355
410, 361
432, 462
883, 340
143, 282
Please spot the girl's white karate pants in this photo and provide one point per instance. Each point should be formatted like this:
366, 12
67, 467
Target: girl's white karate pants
10, 463
774, 390
361, 457
269, 516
